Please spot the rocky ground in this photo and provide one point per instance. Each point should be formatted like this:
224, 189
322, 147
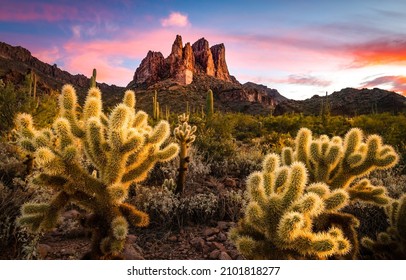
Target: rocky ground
193, 242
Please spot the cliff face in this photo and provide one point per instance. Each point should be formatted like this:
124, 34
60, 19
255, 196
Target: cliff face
183, 63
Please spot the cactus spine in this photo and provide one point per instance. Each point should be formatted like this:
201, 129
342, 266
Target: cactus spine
184, 135
209, 104
122, 147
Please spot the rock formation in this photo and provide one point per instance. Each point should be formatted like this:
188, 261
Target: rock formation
150, 69
203, 57
183, 63
220, 64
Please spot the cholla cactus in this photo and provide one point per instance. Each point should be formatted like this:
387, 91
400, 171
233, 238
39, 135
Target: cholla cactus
286, 218
340, 162
282, 208
122, 147
184, 135
169, 184
391, 244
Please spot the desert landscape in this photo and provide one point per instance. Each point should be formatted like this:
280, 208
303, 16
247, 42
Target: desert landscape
184, 161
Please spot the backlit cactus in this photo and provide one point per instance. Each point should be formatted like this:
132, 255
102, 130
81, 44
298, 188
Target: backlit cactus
391, 244
282, 209
184, 135
122, 149
340, 162
295, 201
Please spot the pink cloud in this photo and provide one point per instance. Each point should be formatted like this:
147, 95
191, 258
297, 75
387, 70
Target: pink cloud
307, 80
397, 83
175, 19
109, 70
48, 55
17, 11
30, 11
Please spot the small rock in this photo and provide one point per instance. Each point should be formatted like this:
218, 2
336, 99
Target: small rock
214, 255
210, 231
221, 237
131, 253
219, 246
222, 225
43, 250
173, 238
197, 243
234, 254
211, 238
224, 256
131, 238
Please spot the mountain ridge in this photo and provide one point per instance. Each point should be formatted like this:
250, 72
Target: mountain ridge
16, 62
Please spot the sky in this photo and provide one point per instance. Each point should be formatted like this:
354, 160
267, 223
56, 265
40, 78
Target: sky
300, 48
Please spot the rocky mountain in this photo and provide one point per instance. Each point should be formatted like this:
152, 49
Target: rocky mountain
183, 64
348, 102
17, 62
193, 69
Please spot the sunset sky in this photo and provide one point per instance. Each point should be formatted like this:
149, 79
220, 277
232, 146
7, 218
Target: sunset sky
301, 48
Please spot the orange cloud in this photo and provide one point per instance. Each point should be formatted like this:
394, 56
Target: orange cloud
396, 83
379, 52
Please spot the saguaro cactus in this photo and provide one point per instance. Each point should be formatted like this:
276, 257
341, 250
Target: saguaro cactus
122, 148
391, 244
184, 135
278, 222
93, 79
155, 107
209, 104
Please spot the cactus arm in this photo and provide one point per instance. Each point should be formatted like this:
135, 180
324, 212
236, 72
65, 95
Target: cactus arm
43, 216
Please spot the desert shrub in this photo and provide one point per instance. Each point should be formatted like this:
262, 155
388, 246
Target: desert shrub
16, 99
169, 209
245, 160
198, 169
215, 139
246, 127
232, 205
393, 179
15, 241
